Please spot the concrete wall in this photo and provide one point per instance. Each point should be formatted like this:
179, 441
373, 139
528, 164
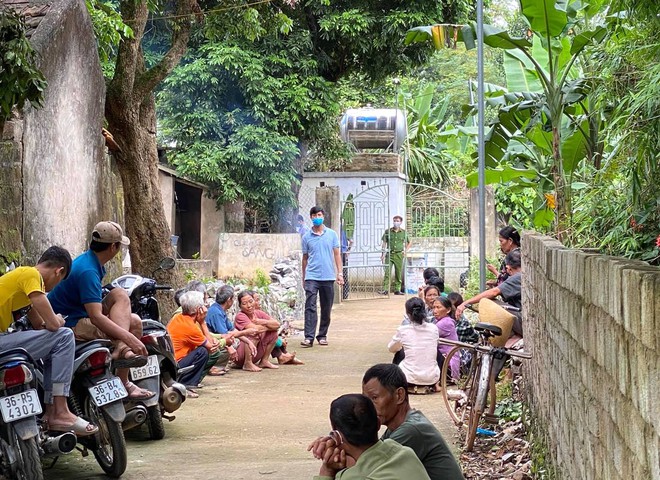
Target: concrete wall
213, 224
593, 327
167, 193
352, 182
66, 183
492, 245
66, 176
240, 254
212, 219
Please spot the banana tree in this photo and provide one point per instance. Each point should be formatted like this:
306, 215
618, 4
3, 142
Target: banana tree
425, 152
544, 114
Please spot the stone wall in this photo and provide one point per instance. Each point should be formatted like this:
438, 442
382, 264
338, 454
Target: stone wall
52, 159
374, 162
592, 325
241, 254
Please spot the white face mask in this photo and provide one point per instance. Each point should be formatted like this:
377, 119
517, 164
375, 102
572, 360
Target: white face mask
397, 224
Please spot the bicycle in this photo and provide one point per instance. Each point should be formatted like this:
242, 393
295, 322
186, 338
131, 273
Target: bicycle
475, 395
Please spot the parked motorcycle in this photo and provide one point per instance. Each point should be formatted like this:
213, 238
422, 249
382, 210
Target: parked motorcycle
160, 373
19, 407
97, 395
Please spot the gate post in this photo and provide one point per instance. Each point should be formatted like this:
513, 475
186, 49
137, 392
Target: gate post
491, 224
328, 199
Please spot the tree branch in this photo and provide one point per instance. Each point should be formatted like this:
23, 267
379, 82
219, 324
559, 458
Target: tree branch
134, 13
146, 82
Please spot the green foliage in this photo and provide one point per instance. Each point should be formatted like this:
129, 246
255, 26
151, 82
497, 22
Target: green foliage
472, 287
423, 149
261, 279
109, 29
515, 206
253, 164
20, 79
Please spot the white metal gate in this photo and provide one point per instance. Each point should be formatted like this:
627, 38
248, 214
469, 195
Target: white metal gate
364, 219
439, 227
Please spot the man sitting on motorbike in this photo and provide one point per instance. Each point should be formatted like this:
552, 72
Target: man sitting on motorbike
91, 316
49, 341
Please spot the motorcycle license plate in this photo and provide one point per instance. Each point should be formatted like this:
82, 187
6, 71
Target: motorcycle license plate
20, 405
151, 369
108, 392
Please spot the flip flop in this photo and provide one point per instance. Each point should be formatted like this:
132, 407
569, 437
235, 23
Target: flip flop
81, 428
137, 393
135, 361
191, 393
323, 342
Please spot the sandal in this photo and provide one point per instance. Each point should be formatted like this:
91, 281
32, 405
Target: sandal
216, 372
307, 343
137, 393
81, 427
323, 342
191, 393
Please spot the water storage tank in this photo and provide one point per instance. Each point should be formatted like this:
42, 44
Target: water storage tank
369, 127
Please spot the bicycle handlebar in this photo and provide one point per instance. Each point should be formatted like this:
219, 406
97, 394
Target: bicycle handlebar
485, 348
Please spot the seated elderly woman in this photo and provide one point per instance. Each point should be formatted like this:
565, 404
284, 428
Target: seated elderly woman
280, 350
264, 337
419, 340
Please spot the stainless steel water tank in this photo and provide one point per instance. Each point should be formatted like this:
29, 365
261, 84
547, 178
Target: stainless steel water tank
370, 127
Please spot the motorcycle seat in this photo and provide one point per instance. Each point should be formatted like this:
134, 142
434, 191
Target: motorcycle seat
84, 347
487, 327
148, 324
15, 355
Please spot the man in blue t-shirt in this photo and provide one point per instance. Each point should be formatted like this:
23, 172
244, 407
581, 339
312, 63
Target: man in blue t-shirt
321, 267
91, 316
216, 318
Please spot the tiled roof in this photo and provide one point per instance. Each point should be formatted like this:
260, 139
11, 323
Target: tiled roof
33, 11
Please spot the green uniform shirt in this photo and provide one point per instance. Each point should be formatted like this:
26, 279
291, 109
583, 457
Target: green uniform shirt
386, 460
418, 433
395, 241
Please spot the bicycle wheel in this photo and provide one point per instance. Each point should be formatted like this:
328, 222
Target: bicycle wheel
456, 396
481, 396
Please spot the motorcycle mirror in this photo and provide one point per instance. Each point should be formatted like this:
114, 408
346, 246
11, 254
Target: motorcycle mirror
167, 263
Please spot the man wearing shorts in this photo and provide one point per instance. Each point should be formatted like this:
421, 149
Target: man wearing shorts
91, 316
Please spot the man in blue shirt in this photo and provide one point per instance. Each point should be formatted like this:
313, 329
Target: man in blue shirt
321, 267
216, 318
91, 316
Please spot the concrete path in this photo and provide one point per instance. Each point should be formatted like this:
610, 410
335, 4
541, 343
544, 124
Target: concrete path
257, 425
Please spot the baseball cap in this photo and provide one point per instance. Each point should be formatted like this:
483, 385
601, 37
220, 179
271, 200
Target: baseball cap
109, 232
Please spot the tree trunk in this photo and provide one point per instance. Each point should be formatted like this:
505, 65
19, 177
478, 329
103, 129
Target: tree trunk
134, 130
130, 109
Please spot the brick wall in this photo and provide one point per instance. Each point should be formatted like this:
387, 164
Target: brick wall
374, 162
592, 325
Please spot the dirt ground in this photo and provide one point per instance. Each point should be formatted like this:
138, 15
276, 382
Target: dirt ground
257, 425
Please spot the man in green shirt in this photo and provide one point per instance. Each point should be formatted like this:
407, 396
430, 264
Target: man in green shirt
395, 243
355, 436
385, 384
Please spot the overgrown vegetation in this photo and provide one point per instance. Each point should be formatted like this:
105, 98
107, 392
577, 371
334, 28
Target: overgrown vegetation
575, 144
20, 79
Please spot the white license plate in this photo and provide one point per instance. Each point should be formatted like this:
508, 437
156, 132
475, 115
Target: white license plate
151, 369
20, 405
108, 392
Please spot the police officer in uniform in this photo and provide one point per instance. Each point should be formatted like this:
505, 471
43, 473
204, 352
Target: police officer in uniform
395, 243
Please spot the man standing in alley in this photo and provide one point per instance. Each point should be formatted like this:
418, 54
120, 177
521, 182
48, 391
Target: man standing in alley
321, 267
395, 243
